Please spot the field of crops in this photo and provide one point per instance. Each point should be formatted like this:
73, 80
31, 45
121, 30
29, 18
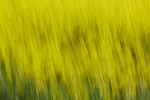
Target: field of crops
74, 49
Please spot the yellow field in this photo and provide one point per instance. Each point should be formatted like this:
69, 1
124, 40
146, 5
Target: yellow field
75, 49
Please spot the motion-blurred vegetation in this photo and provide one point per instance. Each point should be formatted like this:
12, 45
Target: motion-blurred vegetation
74, 50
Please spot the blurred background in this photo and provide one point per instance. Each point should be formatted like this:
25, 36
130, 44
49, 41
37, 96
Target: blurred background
74, 50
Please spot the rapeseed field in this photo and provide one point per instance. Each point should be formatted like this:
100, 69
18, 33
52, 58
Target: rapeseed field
74, 50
